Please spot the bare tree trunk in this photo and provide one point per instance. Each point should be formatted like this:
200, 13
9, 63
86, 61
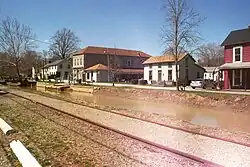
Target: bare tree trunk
18, 72
177, 75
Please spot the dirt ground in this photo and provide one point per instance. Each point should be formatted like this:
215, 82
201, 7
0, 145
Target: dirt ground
56, 139
235, 103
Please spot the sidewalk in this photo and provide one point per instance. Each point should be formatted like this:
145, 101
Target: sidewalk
217, 151
188, 88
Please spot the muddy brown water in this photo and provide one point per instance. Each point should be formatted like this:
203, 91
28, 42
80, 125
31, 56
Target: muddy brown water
221, 118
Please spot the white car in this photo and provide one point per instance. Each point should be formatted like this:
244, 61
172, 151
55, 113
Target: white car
198, 83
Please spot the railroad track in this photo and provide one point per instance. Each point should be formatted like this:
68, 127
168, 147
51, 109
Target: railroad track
176, 152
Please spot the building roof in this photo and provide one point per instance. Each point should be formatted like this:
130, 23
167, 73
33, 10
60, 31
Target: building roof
237, 37
54, 63
211, 69
163, 59
131, 71
101, 67
228, 66
111, 51
97, 67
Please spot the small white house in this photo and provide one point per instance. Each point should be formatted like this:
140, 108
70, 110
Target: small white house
162, 68
213, 73
59, 70
97, 73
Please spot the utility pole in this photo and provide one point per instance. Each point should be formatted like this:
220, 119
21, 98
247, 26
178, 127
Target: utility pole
107, 62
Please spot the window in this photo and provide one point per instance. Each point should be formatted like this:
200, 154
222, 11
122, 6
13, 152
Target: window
80, 61
61, 66
237, 77
186, 74
237, 54
150, 75
198, 75
169, 65
77, 61
150, 66
186, 62
159, 65
88, 75
159, 75
129, 63
169, 75
68, 65
66, 75
74, 62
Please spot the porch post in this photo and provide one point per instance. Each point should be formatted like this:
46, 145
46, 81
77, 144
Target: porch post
229, 78
245, 78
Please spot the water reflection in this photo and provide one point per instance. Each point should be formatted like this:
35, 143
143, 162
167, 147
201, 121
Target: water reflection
200, 116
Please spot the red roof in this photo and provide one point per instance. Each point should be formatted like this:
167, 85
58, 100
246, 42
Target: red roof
97, 67
111, 51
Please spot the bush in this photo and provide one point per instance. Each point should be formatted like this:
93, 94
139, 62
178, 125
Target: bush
143, 82
134, 81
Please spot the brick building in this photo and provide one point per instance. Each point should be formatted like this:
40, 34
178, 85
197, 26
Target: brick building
114, 64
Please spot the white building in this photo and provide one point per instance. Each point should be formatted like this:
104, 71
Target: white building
212, 73
59, 70
162, 68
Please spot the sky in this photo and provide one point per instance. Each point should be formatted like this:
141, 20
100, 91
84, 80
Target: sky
130, 24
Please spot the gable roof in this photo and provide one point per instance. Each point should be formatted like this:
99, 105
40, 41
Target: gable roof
237, 37
97, 67
54, 63
164, 59
111, 51
211, 69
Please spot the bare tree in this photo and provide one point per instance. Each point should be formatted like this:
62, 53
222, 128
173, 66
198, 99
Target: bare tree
63, 43
210, 55
179, 34
15, 40
114, 67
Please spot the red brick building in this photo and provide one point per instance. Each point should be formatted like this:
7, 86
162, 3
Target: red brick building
237, 60
100, 64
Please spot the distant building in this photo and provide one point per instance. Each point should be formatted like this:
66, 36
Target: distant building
237, 59
100, 64
213, 73
58, 70
162, 68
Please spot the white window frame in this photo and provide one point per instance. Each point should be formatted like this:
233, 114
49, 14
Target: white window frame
234, 78
241, 54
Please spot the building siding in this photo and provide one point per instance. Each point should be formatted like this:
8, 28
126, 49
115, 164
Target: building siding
246, 52
228, 53
192, 70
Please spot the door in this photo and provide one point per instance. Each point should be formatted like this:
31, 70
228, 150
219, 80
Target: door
159, 75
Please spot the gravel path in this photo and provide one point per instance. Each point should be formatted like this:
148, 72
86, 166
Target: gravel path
103, 147
223, 153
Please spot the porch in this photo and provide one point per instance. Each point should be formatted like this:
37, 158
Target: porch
236, 75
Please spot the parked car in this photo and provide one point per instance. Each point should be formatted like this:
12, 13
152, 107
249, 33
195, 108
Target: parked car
203, 83
198, 83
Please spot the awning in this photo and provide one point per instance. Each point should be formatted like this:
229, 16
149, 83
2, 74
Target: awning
231, 66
